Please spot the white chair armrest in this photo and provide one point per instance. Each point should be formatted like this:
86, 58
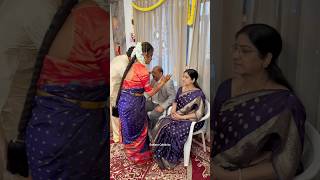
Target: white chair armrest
314, 168
169, 110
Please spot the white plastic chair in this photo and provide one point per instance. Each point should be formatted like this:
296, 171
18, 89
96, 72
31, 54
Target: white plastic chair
187, 145
311, 154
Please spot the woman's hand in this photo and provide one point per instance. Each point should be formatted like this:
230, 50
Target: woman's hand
159, 86
176, 116
159, 109
166, 78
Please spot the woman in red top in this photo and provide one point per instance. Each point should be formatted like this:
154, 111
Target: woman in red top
132, 112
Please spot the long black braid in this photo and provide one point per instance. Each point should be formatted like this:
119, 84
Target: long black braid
56, 24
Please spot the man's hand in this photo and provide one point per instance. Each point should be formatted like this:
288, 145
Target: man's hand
159, 109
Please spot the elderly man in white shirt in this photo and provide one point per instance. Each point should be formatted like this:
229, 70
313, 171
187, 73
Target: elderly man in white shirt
23, 26
158, 103
117, 67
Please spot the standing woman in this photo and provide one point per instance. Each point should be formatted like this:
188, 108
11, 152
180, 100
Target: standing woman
66, 135
132, 111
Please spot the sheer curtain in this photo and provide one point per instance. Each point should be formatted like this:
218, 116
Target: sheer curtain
165, 29
226, 21
118, 27
200, 48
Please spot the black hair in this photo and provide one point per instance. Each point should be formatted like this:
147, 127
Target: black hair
194, 76
146, 48
159, 68
267, 40
129, 51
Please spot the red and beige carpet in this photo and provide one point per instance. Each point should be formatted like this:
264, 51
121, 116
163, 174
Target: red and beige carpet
121, 168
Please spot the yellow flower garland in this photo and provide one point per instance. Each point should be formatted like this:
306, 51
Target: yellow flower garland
191, 12
150, 8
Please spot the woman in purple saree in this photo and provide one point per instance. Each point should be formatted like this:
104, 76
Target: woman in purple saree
171, 132
258, 121
132, 111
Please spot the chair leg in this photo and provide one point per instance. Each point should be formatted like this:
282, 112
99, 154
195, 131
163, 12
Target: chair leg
186, 151
203, 142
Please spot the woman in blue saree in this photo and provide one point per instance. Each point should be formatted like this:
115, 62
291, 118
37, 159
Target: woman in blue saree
258, 121
171, 132
132, 112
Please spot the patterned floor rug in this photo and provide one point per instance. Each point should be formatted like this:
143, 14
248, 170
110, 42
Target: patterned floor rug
121, 168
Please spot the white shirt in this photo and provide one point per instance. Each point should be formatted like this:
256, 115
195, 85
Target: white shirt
117, 67
155, 97
23, 26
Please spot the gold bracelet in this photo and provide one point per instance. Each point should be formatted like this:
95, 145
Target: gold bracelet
240, 174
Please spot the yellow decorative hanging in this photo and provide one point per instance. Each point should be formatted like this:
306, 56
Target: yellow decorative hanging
150, 8
191, 12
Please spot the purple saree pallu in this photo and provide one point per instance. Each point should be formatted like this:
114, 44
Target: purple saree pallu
65, 141
249, 126
133, 117
169, 136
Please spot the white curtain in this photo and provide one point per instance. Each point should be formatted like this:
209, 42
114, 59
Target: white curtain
200, 48
118, 27
165, 29
227, 20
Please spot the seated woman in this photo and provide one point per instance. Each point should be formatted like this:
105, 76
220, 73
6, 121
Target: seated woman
171, 132
258, 120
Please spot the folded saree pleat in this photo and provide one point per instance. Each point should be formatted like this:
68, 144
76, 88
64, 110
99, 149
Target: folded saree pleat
134, 131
